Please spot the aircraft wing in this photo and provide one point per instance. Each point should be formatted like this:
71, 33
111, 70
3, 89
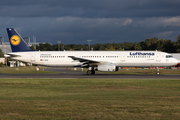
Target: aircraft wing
83, 60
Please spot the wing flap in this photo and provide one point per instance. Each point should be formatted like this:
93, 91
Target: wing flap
84, 61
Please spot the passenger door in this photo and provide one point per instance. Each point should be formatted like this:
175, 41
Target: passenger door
123, 59
33, 57
158, 57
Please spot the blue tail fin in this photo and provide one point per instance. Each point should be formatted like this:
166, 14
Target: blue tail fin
16, 41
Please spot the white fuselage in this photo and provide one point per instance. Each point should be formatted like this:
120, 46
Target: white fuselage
119, 58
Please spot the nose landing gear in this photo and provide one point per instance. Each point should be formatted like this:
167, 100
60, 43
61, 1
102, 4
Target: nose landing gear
158, 73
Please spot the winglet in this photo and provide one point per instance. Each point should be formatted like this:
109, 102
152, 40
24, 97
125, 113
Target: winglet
16, 41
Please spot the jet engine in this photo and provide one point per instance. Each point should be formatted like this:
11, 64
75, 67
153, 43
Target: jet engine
107, 67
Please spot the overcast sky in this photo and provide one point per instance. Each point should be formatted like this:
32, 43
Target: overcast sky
102, 21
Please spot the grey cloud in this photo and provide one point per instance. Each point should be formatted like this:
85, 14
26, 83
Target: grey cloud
90, 8
103, 21
100, 30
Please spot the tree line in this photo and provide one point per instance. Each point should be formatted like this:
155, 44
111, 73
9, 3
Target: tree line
154, 43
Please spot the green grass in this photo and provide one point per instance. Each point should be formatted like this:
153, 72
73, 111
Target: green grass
24, 70
89, 99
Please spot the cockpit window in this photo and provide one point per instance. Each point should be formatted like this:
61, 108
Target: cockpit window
169, 56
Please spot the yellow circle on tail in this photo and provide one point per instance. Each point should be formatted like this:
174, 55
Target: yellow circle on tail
15, 40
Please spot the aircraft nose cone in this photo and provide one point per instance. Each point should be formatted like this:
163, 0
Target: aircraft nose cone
176, 61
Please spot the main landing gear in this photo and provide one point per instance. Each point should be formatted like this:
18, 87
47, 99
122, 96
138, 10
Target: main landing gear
91, 71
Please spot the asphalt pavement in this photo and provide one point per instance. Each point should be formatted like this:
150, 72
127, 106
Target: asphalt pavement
66, 73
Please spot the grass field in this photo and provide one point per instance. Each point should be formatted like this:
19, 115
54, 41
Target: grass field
24, 70
89, 99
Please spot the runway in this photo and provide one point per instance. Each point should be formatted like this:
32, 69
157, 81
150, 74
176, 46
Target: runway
63, 73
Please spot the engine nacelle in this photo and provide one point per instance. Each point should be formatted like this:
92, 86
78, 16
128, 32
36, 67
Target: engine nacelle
107, 67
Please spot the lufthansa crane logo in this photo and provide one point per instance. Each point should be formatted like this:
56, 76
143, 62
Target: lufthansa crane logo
15, 40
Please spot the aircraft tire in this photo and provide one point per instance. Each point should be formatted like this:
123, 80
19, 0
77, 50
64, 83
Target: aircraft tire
93, 72
90, 72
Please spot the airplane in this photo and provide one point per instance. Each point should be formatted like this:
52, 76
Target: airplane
93, 60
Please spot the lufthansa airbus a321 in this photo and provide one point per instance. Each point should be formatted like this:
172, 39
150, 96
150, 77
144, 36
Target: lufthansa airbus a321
93, 60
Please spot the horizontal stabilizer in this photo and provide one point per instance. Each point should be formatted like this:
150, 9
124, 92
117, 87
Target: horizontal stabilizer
9, 55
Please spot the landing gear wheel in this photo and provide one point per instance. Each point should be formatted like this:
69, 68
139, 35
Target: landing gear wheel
90, 72
93, 72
